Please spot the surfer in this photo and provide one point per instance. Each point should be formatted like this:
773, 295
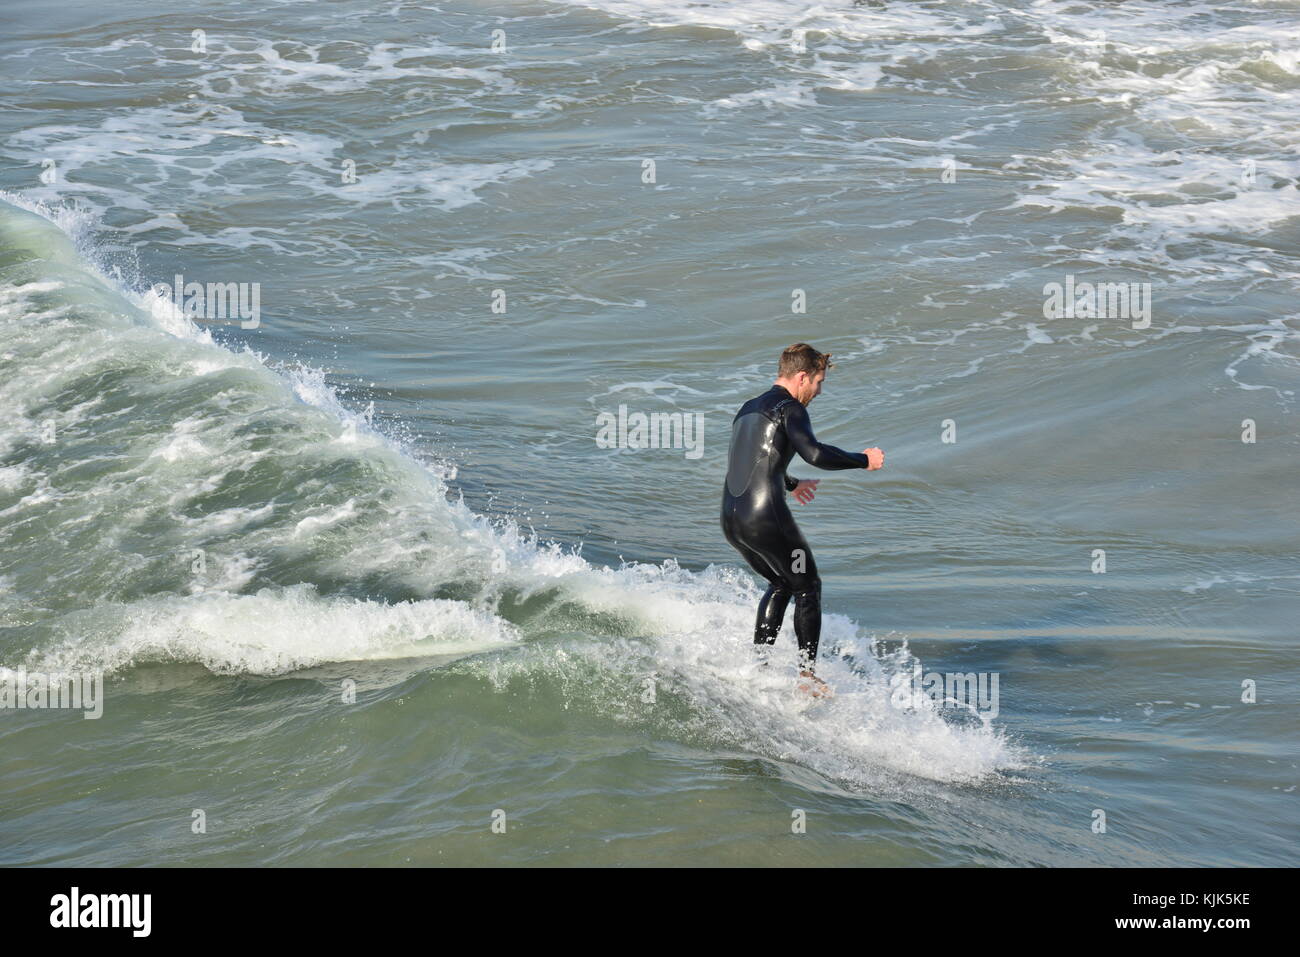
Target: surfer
765, 434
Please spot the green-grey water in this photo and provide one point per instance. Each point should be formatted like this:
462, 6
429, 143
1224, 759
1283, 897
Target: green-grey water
360, 578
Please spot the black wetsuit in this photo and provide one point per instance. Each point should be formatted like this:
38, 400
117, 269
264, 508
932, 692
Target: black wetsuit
765, 434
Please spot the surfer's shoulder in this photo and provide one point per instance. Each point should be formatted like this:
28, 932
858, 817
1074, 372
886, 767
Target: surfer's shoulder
774, 403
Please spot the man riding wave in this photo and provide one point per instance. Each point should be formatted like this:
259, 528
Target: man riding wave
765, 435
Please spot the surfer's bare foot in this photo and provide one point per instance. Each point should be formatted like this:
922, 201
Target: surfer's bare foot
814, 686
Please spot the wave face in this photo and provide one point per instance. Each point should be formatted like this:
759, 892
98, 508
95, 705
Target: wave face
197, 506
391, 486
151, 476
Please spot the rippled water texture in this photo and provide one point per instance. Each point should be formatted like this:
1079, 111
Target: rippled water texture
359, 574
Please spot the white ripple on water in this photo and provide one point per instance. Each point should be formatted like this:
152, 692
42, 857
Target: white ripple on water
693, 627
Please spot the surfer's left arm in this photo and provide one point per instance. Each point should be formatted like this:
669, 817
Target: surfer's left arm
803, 489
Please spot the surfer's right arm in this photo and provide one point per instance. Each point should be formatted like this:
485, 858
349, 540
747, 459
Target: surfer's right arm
818, 454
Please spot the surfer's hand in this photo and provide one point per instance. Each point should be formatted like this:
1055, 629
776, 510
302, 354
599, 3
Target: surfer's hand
875, 458
803, 492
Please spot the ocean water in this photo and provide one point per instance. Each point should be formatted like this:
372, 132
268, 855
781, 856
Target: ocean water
477, 227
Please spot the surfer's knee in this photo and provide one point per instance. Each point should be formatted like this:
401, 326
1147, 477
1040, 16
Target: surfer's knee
809, 591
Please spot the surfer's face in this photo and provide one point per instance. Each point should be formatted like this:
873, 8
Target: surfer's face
810, 386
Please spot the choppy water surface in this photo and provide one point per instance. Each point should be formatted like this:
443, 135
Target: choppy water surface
394, 481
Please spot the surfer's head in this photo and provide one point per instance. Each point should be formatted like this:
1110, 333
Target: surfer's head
802, 371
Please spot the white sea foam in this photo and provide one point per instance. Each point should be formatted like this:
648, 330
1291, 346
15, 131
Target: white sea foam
273, 631
692, 628
694, 645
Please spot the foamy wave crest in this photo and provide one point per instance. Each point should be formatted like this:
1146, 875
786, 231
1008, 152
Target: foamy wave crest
690, 641
271, 632
175, 477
